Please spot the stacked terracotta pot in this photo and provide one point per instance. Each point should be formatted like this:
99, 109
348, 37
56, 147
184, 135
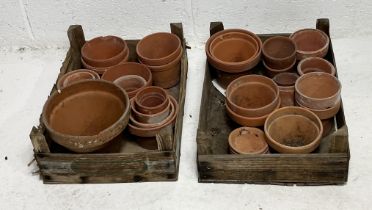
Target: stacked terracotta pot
102, 52
161, 53
232, 53
286, 82
152, 110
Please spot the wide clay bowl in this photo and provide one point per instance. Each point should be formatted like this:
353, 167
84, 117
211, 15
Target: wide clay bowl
293, 130
85, 116
310, 43
159, 48
271, 72
102, 70
248, 121
318, 90
324, 114
151, 132
129, 68
252, 96
235, 66
279, 52
149, 118
234, 35
248, 140
151, 100
76, 76
286, 82
104, 51
315, 64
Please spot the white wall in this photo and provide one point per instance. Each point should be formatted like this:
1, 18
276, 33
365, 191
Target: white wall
43, 23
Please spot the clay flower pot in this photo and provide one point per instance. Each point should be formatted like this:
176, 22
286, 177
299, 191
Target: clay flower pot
104, 51
279, 52
234, 53
87, 115
151, 132
271, 72
310, 43
150, 118
168, 75
75, 76
293, 130
318, 90
324, 113
102, 70
247, 140
159, 48
151, 100
114, 74
252, 96
286, 82
315, 64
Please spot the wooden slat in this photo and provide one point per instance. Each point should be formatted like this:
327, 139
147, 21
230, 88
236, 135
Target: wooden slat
38, 141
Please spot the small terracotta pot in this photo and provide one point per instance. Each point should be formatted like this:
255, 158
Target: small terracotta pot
279, 52
151, 100
151, 132
252, 96
324, 113
310, 43
130, 83
248, 121
155, 120
168, 75
248, 140
315, 64
271, 72
234, 67
87, 115
129, 68
286, 82
318, 90
150, 118
293, 130
102, 70
158, 49
75, 76
104, 51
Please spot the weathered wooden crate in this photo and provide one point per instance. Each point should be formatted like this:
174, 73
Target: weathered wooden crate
329, 164
122, 161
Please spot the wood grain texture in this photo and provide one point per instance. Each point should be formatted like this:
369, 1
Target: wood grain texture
329, 164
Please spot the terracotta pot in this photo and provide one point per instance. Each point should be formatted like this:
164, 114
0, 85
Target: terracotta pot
102, 70
315, 64
130, 83
324, 113
129, 68
87, 115
151, 100
150, 118
75, 76
234, 67
279, 52
271, 72
104, 51
286, 82
159, 48
155, 120
252, 96
248, 140
318, 90
293, 130
168, 75
310, 43
234, 35
248, 121
151, 132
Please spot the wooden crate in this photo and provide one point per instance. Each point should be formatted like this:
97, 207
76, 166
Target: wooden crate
122, 161
329, 164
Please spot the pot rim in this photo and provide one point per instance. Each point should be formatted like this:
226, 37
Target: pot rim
61, 80
299, 69
165, 67
318, 74
248, 128
163, 92
299, 148
324, 114
313, 51
277, 71
162, 58
293, 54
102, 70
126, 111
113, 68
221, 36
275, 79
